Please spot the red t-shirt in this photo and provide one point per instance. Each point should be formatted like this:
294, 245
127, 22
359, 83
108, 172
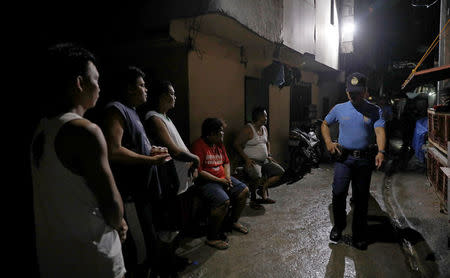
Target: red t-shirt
212, 158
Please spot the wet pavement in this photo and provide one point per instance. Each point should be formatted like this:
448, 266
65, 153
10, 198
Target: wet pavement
420, 221
290, 238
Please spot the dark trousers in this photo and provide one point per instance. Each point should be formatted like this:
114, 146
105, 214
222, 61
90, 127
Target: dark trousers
359, 172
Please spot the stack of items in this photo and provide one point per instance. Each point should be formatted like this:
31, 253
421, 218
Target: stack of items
438, 163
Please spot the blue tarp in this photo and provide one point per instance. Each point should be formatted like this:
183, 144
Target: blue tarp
418, 140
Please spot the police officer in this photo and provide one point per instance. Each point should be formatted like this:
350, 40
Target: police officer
358, 121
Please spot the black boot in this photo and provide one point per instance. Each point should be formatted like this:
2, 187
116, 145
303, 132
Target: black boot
360, 244
340, 217
335, 234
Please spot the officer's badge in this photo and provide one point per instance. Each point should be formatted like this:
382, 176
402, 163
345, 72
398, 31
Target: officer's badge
354, 81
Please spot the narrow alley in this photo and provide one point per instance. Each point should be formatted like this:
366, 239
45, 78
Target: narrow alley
290, 238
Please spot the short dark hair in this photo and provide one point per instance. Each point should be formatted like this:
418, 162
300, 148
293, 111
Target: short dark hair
128, 78
64, 62
257, 111
211, 126
157, 89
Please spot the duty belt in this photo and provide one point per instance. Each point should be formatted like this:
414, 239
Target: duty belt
357, 153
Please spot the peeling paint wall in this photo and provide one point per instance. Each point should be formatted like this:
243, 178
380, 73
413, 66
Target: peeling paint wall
264, 17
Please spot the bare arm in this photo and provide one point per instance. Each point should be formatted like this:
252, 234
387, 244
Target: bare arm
331, 146
227, 171
114, 127
244, 135
268, 146
381, 142
81, 146
210, 177
174, 150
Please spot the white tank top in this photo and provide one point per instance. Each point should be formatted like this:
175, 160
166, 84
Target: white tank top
70, 230
181, 166
256, 148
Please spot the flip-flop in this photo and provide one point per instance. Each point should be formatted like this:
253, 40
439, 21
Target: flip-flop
267, 201
218, 244
240, 228
223, 237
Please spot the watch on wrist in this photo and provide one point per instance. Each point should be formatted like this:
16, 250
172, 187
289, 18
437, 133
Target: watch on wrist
382, 151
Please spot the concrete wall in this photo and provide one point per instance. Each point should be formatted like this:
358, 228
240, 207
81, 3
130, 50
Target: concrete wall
216, 79
300, 24
216, 89
279, 110
327, 35
216, 86
264, 17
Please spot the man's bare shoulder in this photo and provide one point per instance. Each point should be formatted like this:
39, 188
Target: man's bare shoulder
247, 131
80, 129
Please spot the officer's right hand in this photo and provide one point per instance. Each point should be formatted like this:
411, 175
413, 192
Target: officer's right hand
332, 147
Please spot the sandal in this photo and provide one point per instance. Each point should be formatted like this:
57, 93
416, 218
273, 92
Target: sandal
218, 244
266, 200
223, 237
240, 228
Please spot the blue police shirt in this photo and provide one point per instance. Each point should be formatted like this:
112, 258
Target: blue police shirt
356, 127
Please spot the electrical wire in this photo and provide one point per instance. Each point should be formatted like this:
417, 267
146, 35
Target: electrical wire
425, 5
429, 50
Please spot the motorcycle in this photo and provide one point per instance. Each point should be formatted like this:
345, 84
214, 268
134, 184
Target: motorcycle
305, 151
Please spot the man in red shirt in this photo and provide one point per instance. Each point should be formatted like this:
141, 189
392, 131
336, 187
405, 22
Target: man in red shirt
215, 183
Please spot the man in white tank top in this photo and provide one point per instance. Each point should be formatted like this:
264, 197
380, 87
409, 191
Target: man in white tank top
77, 206
253, 145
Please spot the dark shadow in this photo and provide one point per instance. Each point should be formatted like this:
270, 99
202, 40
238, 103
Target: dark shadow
380, 229
192, 248
248, 211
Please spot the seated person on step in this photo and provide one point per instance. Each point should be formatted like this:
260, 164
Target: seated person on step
253, 146
216, 185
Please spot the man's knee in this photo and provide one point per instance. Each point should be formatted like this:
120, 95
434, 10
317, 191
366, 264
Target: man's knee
224, 205
244, 193
252, 172
221, 209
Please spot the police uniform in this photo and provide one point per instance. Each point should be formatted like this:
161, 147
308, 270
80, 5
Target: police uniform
356, 133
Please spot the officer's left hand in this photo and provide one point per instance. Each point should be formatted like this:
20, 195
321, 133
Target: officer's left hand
379, 160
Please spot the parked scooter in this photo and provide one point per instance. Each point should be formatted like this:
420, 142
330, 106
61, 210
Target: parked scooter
305, 152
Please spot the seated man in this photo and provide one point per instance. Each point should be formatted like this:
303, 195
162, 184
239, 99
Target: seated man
253, 145
216, 185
